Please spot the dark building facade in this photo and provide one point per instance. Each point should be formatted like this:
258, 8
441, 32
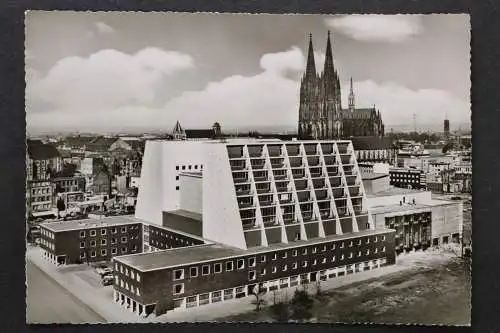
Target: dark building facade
161, 238
413, 231
79, 241
192, 276
320, 111
408, 178
68, 184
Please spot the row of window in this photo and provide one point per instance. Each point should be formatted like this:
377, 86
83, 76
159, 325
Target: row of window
40, 207
251, 262
103, 232
47, 244
128, 272
170, 236
125, 285
47, 233
104, 252
189, 167
166, 245
36, 191
104, 241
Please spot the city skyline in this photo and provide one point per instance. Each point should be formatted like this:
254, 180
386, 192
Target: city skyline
109, 72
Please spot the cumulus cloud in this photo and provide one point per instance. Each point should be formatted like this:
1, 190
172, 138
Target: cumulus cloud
377, 28
103, 28
112, 91
398, 103
106, 79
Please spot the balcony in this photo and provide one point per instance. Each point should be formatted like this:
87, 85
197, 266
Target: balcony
245, 204
332, 171
242, 190
300, 185
237, 165
257, 164
329, 160
311, 149
313, 161
289, 218
295, 162
282, 189
325, 213
338, 192
321, 195
239, 180
263, 190
274, 150
351, 180
345, 158
260, 178
319, 183
248, 223
293, 150
342, 147
235, 151
327, 148
354, 191
280, 176
303, 196
255, 151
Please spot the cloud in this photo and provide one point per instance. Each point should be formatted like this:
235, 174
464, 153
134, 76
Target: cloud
103, 28
105, 80
377, 28
113, 91
397, 103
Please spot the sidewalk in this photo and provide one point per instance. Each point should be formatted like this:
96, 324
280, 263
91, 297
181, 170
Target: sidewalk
67, 277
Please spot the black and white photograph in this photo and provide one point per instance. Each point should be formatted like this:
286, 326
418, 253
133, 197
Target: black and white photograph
217, 167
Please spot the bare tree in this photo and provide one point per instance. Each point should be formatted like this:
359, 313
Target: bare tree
259, 293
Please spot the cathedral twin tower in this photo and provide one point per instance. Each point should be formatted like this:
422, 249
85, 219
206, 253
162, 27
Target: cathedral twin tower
320, 111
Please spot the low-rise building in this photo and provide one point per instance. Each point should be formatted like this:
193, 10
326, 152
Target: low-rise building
408, 178
90, 240
69, 184
39, 196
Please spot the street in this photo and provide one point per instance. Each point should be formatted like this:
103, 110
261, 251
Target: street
48, 302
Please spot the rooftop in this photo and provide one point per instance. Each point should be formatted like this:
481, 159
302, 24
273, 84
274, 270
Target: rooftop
399, 208
185, 213
203, 253
393, 191
373, 176
90, 223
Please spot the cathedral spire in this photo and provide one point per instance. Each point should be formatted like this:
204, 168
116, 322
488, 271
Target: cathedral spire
311, 65
328, 69
351, 98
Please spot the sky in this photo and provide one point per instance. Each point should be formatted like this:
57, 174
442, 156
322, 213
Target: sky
115, 72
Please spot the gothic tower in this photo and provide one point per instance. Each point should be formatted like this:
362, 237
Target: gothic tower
308, 95
352, 107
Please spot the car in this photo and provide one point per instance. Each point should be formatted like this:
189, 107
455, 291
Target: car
107, 280
107, 271
100, 269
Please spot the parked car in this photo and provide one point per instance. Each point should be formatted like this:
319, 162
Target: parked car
107, 280
107, 271
100, 269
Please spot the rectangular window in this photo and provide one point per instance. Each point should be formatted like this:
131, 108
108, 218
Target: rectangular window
176, 177
193, 272
124, 229
304, 251
304, 263
103, 232
341, 257
82, 245
323, 249
124, 250
314, 250
275, 256
82, 255
138, 277
368, 240
284, 255
82, 234
368, 252
218, 268
294, 265
176, 167
240, 264
103, 241
383, 249
350, 255
93, 232
294, 253
323, 261
263, 271
350, 244
93, 254
334, 246
132, 275
113, 250
178, 274
104, 252
113, 240
359, 241
229, 266
252, 275
92, 243
178, 289
342, 245
285, 268
262, 258
124, 239
251, 262
177, 188
183, 167
359, 253
205, 270
383, 238
126, 271
114, 231
376, 239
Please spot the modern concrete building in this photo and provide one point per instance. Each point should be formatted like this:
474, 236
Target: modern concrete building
408, 178
90, 240
247, 213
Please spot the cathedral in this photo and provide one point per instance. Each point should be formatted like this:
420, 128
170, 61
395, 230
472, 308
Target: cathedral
320, 111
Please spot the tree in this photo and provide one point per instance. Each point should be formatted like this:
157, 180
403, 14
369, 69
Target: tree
318, 287
280, 312
259, 301
301, 305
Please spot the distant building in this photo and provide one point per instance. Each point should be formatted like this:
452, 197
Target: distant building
43, 160
408, 178
39, 196
373, 149
69, 184
79, 241
320, 110
101, 183
179, 133
446, 129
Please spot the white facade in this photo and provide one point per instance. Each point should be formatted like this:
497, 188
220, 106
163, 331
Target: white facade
255, 193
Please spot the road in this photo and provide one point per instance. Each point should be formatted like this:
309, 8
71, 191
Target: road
48, 302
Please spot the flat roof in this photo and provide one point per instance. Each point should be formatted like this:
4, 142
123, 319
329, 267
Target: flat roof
399, 208
373, 176
91, 223
393, 191
186, 213
180, 232
208, 252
